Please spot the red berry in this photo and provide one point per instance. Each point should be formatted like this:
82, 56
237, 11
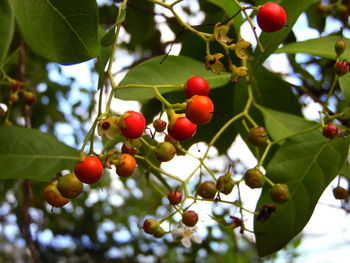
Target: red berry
182, 129
271, 17
330, 131
159, 125
132, 124
196, 86
190, 218
200, 109
175, 197
15, 85
130, 150
14, 97
150, 225
29, 97
126, 166
341, 67
90, 170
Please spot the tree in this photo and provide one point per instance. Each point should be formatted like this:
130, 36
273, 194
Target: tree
111, 217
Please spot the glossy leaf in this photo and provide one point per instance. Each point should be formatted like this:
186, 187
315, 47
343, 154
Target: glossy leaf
175, 70
307, 164
62, 31
322, 47
271, 41
228, 6
344, 83
31, 154
7, 26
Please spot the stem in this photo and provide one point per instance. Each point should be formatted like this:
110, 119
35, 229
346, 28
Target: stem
335, 80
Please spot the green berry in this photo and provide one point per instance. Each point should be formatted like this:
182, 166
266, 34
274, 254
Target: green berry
254, 178
280, 193
207, 190
225, 184
257, 136
165, 151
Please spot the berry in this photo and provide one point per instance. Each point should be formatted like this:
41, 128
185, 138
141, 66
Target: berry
182, 129
339, 47
90, 170
126, 165
200, 109
225, 184
159, 125
341, 67
257, 136
150, 225
271, 17
175, 197
280, 193
15, 85
53, 196
196, 86
330, 131
160, 232
190, 218
14, 97
170, 139
132, 124
254, 178
340, 193
129, 149
29, 97
207, 190
165, 151
69, 186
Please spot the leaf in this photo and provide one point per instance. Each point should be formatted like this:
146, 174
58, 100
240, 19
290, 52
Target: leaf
228, 6
345, 171
7, 27
322, 47
174, 71
281, 124
31, 154
271, 41
307, 164
344, 83
63, 31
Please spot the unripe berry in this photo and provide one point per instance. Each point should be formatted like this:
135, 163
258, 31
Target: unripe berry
340, 193
341, 67
280, 193
196, 86
53, 196
14, 97
271, 17
15, 85
175, 197
159, 125
200, 109
132, 124
257, 136
165, 151
254, 178
225, 184
207, 190
150, 225
182, 129
330, 131
190, 218
160, 232
29, 97
339, 47
70, 186
90, 170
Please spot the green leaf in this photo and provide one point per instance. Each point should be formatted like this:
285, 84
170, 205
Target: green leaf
7, 27
344, 83
31, 154
345, 171
281, 124
228, 6
307, 164
175, 70
271, 41
322, 47
63, 31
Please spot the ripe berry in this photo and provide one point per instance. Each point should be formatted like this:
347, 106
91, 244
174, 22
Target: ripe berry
341, 67
126, 165
182, 129
330, 131
132, 124
207, 190
340, 193
339, 47
90, 170
165, 151
159, 125
280, 193
190, 218
200, 109
150, 225
254, 178
257, 136
29, 97
15, 85
127, 149
271, 17
53, 196
196, 86
70, 186
175, 197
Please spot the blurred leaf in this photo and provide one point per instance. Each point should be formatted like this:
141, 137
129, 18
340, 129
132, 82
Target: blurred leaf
175, 70
344, 83
345, 171
316, 20
271, 41
230, 7
63, 31
31, 154
322, 47
7, 27
307, 164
